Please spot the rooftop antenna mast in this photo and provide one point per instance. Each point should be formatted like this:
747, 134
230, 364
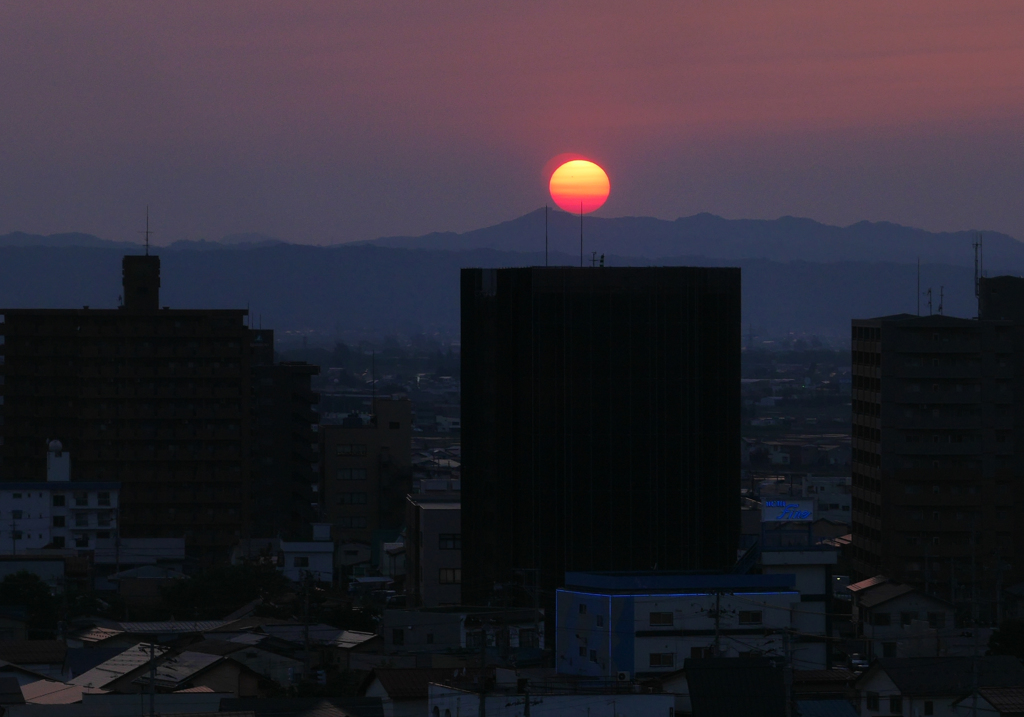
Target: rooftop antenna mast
147, 232
929, 293
941, 292
918, 286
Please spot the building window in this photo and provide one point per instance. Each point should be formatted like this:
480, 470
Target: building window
751, 617
449, 576
58, 501
937, 620
58, 521
103, 519
430, 638
82, 541
82, 520
872, 700
351, 474
352, 521
662, 659
81, 499
16, 514
300, 561
394, 425
398, 636
661, 619
880, 619
16, 534
58, 542
450, 541
103, 498
16, 496
896, 705
907, 617
599, 620
583, 650
352, 449
352, 498
583, 609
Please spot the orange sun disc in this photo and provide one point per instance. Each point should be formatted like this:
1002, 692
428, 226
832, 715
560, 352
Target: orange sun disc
579, 186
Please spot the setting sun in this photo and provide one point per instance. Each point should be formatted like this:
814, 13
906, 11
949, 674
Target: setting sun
579, 186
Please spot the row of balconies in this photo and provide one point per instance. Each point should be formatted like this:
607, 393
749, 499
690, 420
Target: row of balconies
121, 454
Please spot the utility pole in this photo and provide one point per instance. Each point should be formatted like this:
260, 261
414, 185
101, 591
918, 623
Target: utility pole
718, 613
152, 679
305, 620
483, 676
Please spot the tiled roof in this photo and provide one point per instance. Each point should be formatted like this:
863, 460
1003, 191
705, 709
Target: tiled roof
412, 683
117, 667
353, 638
869, 583
217, 647
33, 652
50, 692
884, 593
1004, 699
948, 675
95, 634
180, 668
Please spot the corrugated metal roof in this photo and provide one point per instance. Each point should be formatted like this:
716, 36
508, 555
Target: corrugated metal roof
95, 634
884, 593
172, 626
117, 667
175, 670
352, 638
50, 692
33, 652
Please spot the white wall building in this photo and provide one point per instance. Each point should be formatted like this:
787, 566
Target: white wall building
832, 496
58, 513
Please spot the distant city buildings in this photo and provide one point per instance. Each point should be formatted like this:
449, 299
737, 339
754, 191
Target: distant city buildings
367, 470
600, 423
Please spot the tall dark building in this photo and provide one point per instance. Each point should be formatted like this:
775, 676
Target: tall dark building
157, 399
600, 422
936, 423
285, 444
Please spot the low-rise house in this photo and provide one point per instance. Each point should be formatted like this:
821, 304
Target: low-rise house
991, 702
354, 642
272, 659
117, 673
51, 692
191, 669
405, 692
141, 587
929, 686
45, 657
426, 630
896, 620
434, 550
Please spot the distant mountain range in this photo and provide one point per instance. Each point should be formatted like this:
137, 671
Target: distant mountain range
710, 236
798, 275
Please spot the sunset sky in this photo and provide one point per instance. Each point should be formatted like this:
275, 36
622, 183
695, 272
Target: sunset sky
322, 122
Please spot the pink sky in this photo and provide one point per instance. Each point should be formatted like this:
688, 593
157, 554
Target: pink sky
324, 121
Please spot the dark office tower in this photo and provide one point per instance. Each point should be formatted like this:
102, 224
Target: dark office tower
285, 444
157, 399
934, 431
600, 422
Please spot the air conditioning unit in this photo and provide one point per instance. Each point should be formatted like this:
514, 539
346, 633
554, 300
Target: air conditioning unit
622, 677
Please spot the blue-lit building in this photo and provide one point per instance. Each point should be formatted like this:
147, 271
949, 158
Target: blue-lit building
624, 625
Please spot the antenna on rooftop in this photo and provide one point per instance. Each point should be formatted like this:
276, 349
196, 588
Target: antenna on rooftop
941, 291
147, 232
929, 293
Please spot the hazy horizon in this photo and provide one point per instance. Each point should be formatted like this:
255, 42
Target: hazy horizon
323, 123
